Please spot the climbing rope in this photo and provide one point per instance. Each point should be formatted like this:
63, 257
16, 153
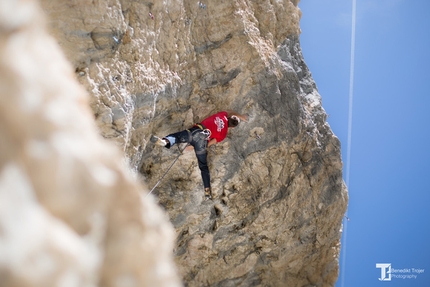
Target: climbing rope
158, 182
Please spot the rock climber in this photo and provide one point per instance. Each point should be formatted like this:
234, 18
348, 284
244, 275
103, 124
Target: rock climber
210, 131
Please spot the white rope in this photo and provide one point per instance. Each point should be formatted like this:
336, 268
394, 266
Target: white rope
348, 152
158, 182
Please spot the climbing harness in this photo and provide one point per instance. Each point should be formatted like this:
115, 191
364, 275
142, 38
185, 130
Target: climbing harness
158, 182
204, 131
199, 137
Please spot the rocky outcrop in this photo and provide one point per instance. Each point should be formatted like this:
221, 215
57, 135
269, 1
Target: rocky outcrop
156, 67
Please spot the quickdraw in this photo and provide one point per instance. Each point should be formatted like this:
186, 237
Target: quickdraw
204, 131
207, 133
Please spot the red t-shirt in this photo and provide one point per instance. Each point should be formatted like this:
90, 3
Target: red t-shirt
218, 125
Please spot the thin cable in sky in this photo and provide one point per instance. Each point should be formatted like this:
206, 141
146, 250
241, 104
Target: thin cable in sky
348, 151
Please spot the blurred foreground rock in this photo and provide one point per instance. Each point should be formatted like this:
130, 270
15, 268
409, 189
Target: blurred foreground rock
71, 213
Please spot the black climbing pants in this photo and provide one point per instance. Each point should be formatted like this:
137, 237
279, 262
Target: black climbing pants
198, 140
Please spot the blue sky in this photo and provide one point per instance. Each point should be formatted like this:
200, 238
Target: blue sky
389, 184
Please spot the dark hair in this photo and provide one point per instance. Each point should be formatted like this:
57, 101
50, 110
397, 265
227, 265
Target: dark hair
232, 122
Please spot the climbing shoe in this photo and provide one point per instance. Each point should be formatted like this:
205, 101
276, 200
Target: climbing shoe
161, 142
208, 193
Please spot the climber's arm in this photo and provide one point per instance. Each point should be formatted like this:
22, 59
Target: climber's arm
211, 142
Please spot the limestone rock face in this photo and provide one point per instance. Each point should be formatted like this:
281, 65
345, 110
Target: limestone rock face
156, 67
71, 213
